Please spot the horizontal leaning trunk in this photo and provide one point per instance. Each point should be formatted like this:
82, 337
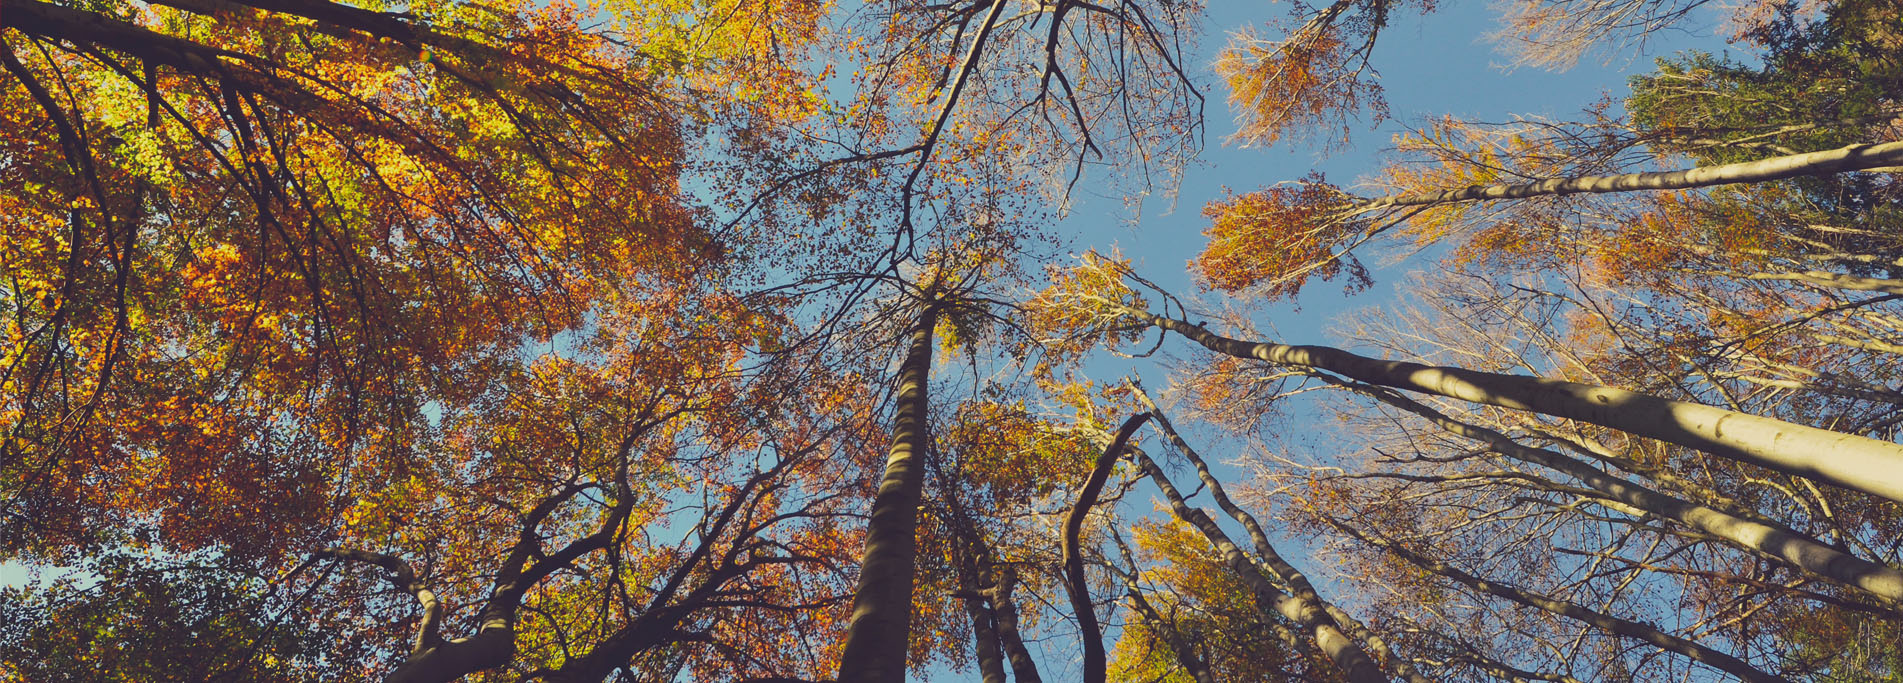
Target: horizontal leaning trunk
1789, 547
1840, 160
1854, 462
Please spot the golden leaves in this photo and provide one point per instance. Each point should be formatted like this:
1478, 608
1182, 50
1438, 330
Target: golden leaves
1078, 311
1276, 239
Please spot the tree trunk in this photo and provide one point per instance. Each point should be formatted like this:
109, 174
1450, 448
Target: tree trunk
1786, 546
877, 639
1847, 460
1354, 664
1095, 661
1185, 653
1843, 159
984, 632
1283, 570
1023, 669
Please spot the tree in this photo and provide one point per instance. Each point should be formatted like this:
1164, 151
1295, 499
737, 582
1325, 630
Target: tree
413, 293
306, 216
137, 623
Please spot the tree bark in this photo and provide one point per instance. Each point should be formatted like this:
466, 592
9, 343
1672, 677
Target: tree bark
432, 659
1843, 159
1095, 661
1283, 570
878, 637
984, 630
1349, 658
1859, 463
1023, 669
1780, 544
1185, 653
1830, 280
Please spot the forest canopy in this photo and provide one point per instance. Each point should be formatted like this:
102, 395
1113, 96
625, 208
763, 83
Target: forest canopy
727, 340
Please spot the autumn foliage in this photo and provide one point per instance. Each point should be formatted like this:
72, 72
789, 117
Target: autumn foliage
704, 340
1274, 240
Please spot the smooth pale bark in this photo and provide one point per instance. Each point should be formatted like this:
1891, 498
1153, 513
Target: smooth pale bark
1624, 627
985, 647
1005, 609
1867, 345
1095, 661
1283, 570
1781, 544
1847, 460
1840, 160
1824, 278
877, 639
1354, 663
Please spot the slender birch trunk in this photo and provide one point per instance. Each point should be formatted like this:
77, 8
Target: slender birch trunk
1855, 462
877, 639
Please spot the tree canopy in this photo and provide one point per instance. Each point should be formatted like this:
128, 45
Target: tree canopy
728, 340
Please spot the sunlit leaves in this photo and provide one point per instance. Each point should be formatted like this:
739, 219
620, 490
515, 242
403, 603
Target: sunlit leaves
1298, 86
1075, 313
1276, 239
296, 253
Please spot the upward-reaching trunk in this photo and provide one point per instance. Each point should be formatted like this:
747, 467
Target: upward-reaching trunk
1005, 609
1346, 654
1847, 460
1164, 628
1095, 664
876, 641
984, 635
1186, 656
1284, 571
969, 565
